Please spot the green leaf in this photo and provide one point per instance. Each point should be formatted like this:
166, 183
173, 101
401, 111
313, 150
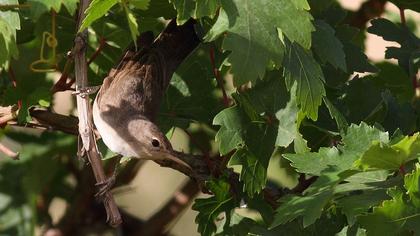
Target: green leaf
327, 46
412, 184
96, 10
185, 9
132, 24
356, 141
390, 157
254, 158
206, 8
339, 118
220, 26
313, 201
358, 204
407, 4
140, 4
392, 32
39, 7
300, 66
252, 42
289, 123
233, 123
210, 208
392, 217
8, 47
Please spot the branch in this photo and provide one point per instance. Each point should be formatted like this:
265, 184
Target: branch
369, 10
85, 122
181, 199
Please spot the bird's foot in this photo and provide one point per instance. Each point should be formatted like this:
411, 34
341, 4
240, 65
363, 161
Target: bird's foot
83, 92
104, 187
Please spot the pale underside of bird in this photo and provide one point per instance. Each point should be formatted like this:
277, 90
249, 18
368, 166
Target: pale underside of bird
129, 99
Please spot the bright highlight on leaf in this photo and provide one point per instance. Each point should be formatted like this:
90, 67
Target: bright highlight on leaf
96, 10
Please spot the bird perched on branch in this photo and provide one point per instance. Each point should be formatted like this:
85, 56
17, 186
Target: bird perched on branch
129, 99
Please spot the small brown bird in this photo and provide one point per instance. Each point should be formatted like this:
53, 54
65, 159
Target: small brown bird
129, 99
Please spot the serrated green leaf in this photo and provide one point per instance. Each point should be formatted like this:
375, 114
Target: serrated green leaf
233, 124
221, 26
132, 24
140, 4
206, 8
327, 46
251, 43
210, 208
39, 7
384, 156
339, 118
289, 123
392, 217
407, 4
184, 8
300, 66
357, 140
358, 204
8, 47
96, 10
254, 158
392, 32
310, 207
412, 184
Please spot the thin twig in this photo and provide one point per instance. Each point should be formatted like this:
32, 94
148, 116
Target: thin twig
14, 83
216, 73
102, 43
85, 122
181, 199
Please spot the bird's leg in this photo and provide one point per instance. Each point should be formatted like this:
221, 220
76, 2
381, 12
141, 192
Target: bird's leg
105, 186
83, 92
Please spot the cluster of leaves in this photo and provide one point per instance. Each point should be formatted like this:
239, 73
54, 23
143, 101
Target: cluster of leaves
292, 64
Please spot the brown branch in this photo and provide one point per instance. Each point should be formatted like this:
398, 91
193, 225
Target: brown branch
402, 17
181, 199
101, 46
62, 84
369, 10
85, 122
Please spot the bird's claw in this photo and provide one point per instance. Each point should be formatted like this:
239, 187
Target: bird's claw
104, 187
83, 92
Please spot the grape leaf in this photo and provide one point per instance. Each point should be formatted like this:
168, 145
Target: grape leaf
132, 24
39, 7
339, 118
8, 47
356, 141
233, 122
96, 10
392, 217
252, 43
327, 46
390, 157
407, 4
289, 123
140, 4
300, 66
254, 158
411, 183
392, 32
210, 208
357, 204
313, 201
194, 8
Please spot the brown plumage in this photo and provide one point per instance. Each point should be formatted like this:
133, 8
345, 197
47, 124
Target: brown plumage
129, 99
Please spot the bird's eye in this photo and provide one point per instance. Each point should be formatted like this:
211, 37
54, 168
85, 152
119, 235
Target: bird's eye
155, 143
